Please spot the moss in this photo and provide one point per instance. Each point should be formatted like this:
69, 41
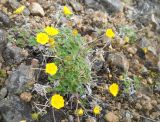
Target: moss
3, 74
154, 74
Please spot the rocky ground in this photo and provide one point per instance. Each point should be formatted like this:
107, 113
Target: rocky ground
132, 59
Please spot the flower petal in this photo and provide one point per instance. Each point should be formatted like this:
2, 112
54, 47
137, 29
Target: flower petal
114, 89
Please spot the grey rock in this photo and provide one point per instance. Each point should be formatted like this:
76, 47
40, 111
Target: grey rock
15, 4
150, 81
12, 54
111, 6
155, 20
3, 1
144, 70
36, 9
136, 115
146, 97
157, 87
90, 119
3, 93
97, 66
71, 118
128, 116
144, 12
13, 110
119, 59
132, 50
17, 80
111, 117
152, 55
108, 5
2, 44
76, 6
144, 42
92, 3
26, 12
147, 106
158, 106
46, 4
138, 106
150, 45
145, 6
4, 18
3, 40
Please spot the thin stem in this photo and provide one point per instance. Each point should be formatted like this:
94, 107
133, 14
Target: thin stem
95, 40
58, 21
53, 115
77, 106
148, 118
37, 69
52, 57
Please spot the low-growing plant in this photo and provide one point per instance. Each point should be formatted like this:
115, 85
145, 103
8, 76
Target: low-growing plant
128, 31
131, 85
32, 41
21, 37
74, 69
2, 73
70, 67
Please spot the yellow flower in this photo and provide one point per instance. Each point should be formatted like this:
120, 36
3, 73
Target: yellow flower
67, 11
113, 89
57, 101
51, 31
19, 10
110, 33
121, 77
126, 39
97, 110
51, 42
42, 38
51, 68
79, 112
35, 116
75, 32
145, 49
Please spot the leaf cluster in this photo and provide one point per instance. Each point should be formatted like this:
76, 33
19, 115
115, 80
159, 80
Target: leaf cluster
74, 69
129, 32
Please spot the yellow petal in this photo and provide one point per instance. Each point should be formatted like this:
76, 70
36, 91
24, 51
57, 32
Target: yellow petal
67, 11
51, 68
97, 110
52, 42
79, 112
75, 32
110, 33
121, 77
145, 49
126, 39
114, 89
57, 101
19, 10
42, 38
35, 116
51, 31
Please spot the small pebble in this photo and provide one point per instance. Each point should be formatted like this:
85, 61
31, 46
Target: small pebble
26, 96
